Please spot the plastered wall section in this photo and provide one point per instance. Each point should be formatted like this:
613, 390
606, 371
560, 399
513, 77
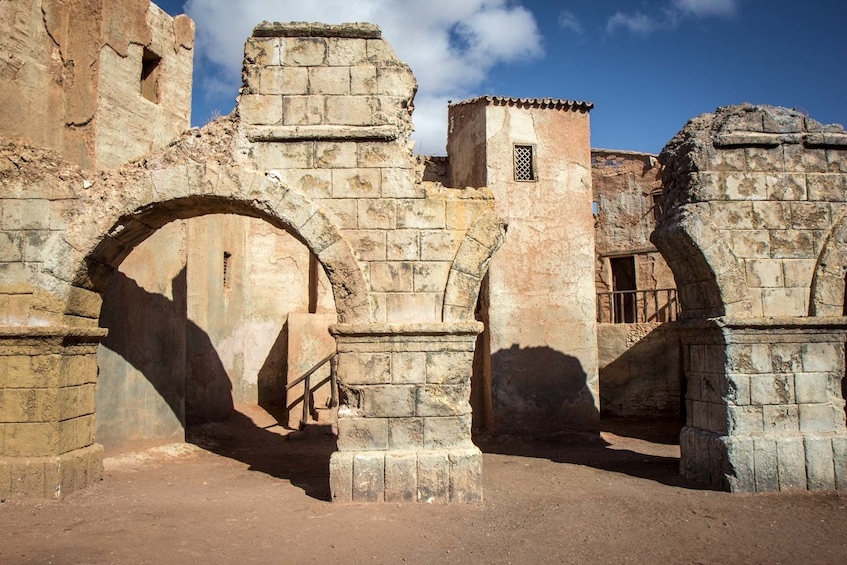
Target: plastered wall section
70, 77
541, 282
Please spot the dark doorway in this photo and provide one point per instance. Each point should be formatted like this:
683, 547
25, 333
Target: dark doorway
623, 285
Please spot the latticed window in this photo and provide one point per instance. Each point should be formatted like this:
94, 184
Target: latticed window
524, 163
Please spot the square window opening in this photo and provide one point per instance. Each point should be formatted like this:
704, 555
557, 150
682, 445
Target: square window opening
524, 156
151, 65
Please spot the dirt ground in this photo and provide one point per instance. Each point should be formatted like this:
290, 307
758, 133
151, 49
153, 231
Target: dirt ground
241, 492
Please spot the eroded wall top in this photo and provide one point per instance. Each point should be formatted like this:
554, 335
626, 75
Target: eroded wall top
752, 195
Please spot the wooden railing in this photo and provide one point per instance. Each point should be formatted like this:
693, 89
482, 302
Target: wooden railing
307, 388
637, 306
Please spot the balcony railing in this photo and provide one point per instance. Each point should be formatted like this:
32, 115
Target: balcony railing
637, 306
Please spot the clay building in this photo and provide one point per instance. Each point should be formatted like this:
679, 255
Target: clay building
298, 256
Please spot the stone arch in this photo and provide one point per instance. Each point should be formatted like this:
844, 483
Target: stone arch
710, 278
469, 266
111, 220
828, 282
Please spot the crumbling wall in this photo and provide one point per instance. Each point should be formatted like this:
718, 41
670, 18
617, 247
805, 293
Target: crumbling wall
71, 77
753, 195
328, 160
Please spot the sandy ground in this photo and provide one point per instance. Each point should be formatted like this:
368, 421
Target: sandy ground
243, 493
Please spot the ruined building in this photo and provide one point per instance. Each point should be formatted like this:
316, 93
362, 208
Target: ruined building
156, 282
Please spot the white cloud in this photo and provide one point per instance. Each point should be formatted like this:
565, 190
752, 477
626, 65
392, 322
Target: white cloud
706, 8
451, 45
568, 21
671, 16
637, 23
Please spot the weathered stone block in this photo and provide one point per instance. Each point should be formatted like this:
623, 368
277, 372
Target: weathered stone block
284, 80
368, 477
423, 214
341, 476
388, 401
781, 419
440, 245
362, 434
449, 367
798, 272
354, 111
767, 479
408, 367
447, 432
329, 80
369, 245
771, 215
738, 389
333, 155
363, 80
344, 52
763, 159
744, 420
764, 273
786, 186
772, 389
18, 405
303, 51
466, 476
822, 356
740, 457
791, 460
258, 109
403, 245
413, 307
839, 457
356, 183
430, 276
405, 433
811, 387
443, 400
302, 110
788, 244
401, 477
393, 276
751, 243
433, 477
377, 213
364, 368
741, 186
820, 470
285, 155
786, 357
816, 418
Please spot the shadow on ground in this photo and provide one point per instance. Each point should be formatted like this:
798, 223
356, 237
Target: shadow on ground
634, 448
299, 457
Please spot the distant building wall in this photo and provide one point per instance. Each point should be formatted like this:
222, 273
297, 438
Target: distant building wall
71, 77
640, 371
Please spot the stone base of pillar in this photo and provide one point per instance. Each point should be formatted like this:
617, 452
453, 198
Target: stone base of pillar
50, 477
746, 464
435, 475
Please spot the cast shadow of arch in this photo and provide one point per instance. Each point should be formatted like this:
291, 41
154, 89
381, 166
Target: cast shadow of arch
202, 402
554, 392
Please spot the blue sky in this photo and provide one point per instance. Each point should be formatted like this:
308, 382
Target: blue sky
648, 65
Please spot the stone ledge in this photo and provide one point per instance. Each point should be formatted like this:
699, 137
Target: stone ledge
760, 139
322, 133
380, 329
355, 30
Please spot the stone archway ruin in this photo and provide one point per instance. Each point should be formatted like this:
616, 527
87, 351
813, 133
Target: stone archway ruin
764, 361
331, 164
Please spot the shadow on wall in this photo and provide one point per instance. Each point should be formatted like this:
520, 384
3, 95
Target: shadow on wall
271, 378
171, 354
541, 390
642, 379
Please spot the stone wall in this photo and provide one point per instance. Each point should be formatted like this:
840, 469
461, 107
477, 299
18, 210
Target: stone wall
329, 161
755, 197
71, 77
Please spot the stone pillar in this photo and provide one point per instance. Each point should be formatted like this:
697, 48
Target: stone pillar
404, 426
764, 406
47, 380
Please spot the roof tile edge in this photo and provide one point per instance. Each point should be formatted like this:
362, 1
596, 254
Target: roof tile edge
552, 103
